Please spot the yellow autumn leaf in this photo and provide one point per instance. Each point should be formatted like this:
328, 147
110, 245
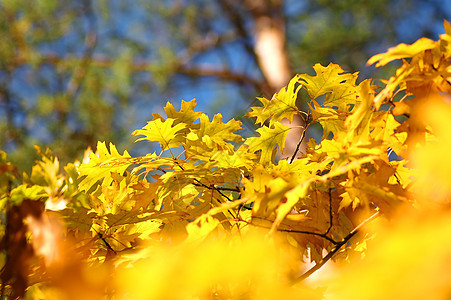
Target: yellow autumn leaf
358, 124
332, 80
402, 51
269, 138
164, 132
282, 105
186, 115
292, 197
249, 266
331, 120
217, 130
101, 165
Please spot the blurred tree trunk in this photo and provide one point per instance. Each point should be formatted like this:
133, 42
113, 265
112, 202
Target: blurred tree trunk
270, 41
272, 56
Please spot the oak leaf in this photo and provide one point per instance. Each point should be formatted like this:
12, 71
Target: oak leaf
101, 165
269, 138
165, 132
402, 51
281, 106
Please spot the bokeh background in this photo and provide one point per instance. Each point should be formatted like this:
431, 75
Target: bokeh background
75, 72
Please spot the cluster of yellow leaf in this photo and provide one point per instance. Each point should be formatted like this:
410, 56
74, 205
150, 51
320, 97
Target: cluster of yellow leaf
424, 72
217, 215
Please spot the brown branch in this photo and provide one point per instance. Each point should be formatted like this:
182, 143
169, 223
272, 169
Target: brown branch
236, 20
211, 41
235, 189
330, 211
102, 61
337, 247
223, 74
324, 236
81, 70
212, 187
298, 145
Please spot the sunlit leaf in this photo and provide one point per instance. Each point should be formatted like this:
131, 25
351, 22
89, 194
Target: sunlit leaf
269, 138
402, 51
164, 132
101, 165
282, 105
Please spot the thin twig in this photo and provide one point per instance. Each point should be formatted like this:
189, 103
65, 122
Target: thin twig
397, 178
330, 212
235, 189
297, 231
105, 242
90, 43
334, 250
212, 187
309, 232
298, 145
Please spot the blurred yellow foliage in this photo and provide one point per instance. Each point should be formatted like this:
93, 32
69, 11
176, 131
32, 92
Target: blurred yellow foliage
432, 160
406, 260
226, 267
410, 256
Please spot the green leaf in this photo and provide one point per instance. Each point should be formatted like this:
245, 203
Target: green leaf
23, 192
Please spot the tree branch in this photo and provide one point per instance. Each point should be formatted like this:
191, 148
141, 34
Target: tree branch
337, 247
298, 145
330, 211
223, 74
102, 61
324, 236
238, 23
212, 187
90, 43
